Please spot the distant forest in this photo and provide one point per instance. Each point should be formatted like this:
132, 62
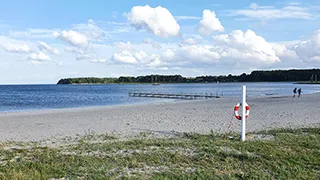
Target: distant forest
255, 76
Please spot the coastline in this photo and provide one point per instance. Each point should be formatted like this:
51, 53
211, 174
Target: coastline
160, 118
59, 97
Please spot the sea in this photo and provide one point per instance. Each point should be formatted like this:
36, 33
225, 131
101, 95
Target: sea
53, 96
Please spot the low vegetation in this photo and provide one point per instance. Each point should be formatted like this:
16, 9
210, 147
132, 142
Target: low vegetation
293, 75
308, 82
276, 154
88, 80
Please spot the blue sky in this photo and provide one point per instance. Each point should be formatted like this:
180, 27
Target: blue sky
43, 41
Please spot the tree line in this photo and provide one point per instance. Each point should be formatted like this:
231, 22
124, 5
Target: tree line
254, 76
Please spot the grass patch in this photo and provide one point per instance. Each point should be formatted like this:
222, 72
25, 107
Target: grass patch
288, 154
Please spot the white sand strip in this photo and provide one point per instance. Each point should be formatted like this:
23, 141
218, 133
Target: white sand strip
161, 118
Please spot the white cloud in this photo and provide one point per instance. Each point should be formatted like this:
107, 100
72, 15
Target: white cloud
184, 56
195, 55
15, 46
294, 4
139, 58
101, 60
254, 6
168, 54
309, 50
191, 39
234, 50
245, 46
73, 50
155, 62
140, 55
24, 48
268, 12
154, 44
158, 20
283, 51
112, 28
45, 46
178, 18
209, 23
90, 30
316, 58
238, 50
84, 56
295, 8
38, 57
33, 33
72, 37
80, 54
124, 57
123, 45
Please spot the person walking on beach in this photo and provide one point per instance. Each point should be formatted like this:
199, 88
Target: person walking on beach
294, 92
299, 92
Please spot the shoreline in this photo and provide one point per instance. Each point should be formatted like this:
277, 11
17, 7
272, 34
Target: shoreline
169, 100
161, 118
164, 100
90, 107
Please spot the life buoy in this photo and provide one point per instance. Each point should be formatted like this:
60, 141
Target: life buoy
236, 111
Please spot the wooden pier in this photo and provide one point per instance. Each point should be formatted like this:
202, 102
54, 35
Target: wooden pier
172, 96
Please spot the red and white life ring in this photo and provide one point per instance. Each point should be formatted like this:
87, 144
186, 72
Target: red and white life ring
236, 111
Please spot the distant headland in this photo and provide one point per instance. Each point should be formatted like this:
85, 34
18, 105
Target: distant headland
294, 75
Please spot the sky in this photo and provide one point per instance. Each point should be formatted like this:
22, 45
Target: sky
43, 41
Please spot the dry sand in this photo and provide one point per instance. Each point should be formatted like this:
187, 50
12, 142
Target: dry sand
199, 116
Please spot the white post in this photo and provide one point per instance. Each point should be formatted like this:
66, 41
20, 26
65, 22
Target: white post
243, 119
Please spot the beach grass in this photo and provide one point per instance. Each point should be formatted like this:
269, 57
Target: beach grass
273, 154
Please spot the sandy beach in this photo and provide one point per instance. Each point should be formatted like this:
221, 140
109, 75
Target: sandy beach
199, 116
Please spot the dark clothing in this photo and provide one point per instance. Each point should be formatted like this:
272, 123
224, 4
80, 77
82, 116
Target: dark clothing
294, 92
299, 92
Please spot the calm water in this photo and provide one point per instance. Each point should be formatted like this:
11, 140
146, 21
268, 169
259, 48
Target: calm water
31, 97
